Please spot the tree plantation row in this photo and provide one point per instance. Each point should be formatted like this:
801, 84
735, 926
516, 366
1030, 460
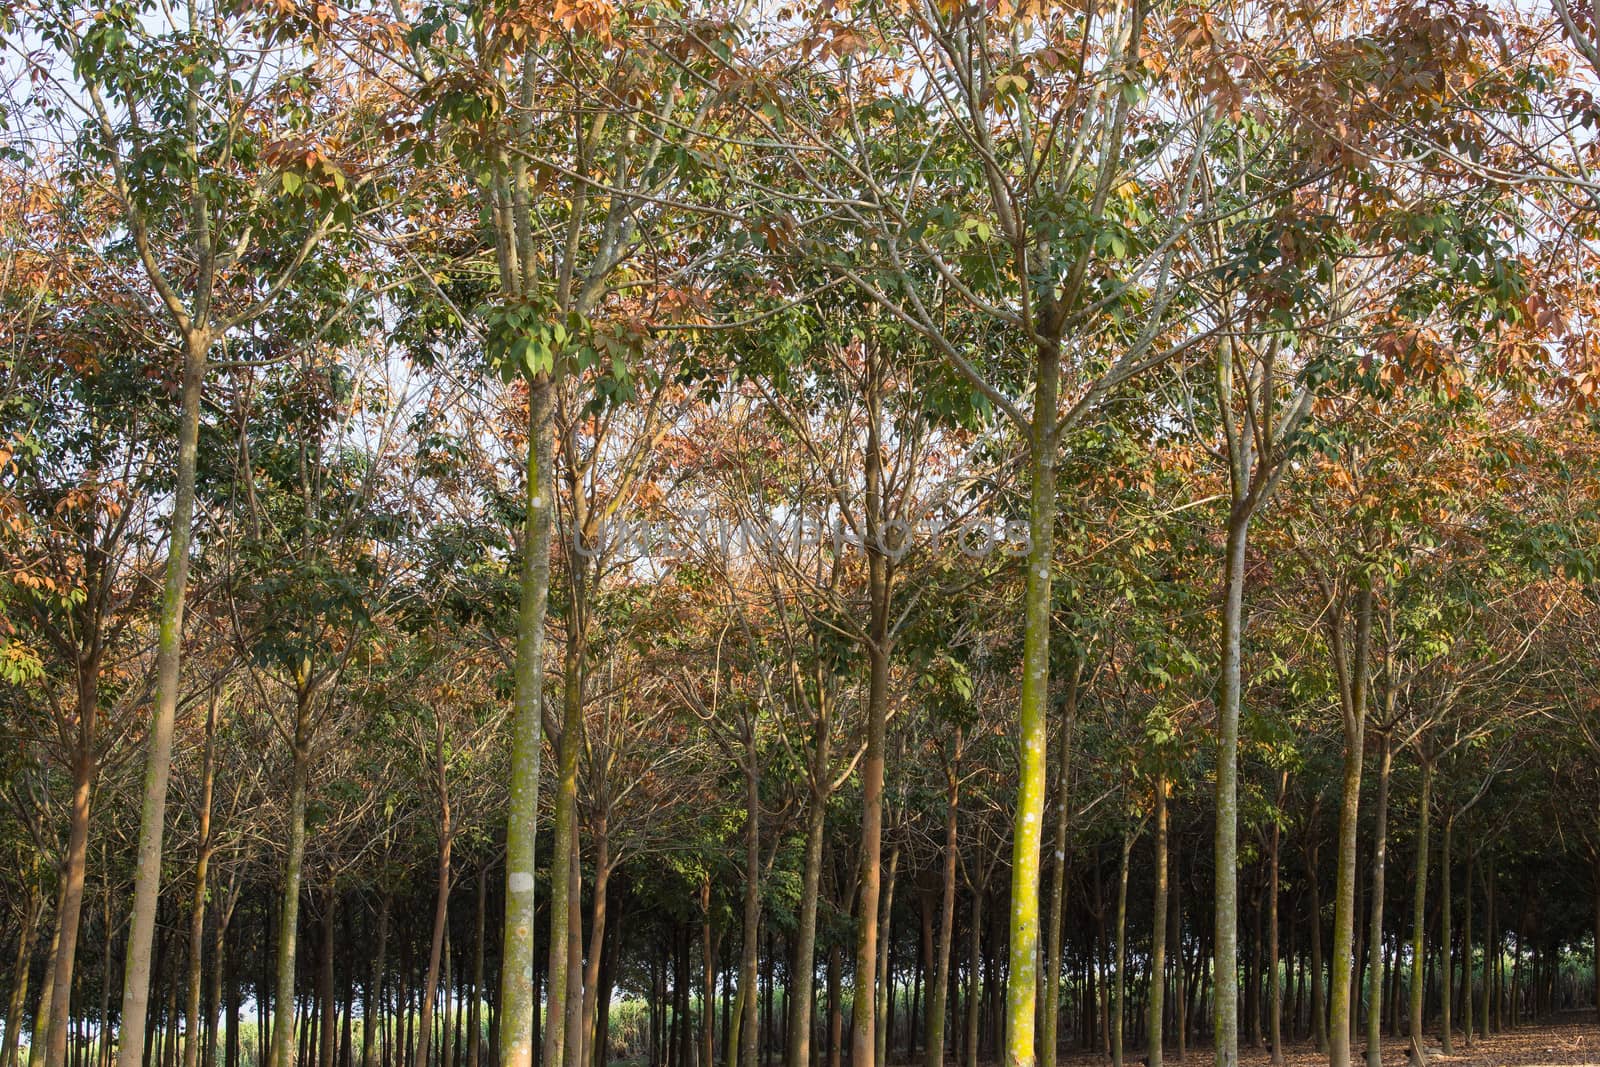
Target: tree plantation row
874, 532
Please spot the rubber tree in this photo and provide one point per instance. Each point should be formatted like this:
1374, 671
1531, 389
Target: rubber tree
1025, 280
120, 76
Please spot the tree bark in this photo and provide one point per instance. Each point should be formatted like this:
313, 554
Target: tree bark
745, 1051
17, 1003
939, 995
1380, 852
283, 1030
885, 983
1274, 977
1419, 915
158, 763
1352, 669
1447, 972
1225, 941
74, 866
328, 1011
1319, 1003
863, 1027
803, 981
1022, 986
1156, 1007
597, 931
197, 912
441, 906
1049, 1019
1119, 981
974, 972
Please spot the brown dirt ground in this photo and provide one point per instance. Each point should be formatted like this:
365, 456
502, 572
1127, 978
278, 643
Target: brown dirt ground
1567, 1041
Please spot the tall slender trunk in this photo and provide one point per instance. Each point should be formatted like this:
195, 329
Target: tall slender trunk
863, 1025
17, 1003
1225, 940
1491, 957
221, 966
1274, 977
885, 983
597, 930
1353, 705
1466, 952
1119, 985
158, 763
802, 992
835, 1006
197, 911
1419, 914
328, 1011
441, 908
558, 986
1380, 852
475, 1005
744, 1054
1155, 1011
1049, 1019
1022, 986
969, 1057
1446, 934
508, 197
372, 1002
1181, 1020
74, 866
283, 1031
708, 978
1319, 1002
939, 995
572, 1016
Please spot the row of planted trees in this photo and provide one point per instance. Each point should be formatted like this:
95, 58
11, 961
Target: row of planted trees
873, 532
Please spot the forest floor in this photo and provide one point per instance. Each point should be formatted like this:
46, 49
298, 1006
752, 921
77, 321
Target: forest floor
1566, 1041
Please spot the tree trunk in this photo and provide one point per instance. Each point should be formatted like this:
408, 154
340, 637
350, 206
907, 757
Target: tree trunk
802, 994
885, 983
283, 1033
158, 763
1447, 972
518, 1006
1119, 982
1419, 916
1225, 942
1156, 1010
558, 986
974, 971
1022, 986
863, 1026
751, 932
1319, 1004
1353, 702
1049, 1019
597, 933
220, 965
197, 912
1380, 851
939, 995
17, 1003
441, 912
708, 978
835, 1006
572, 1016
372, 1002
328, 1011
74, 866
1274, 977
